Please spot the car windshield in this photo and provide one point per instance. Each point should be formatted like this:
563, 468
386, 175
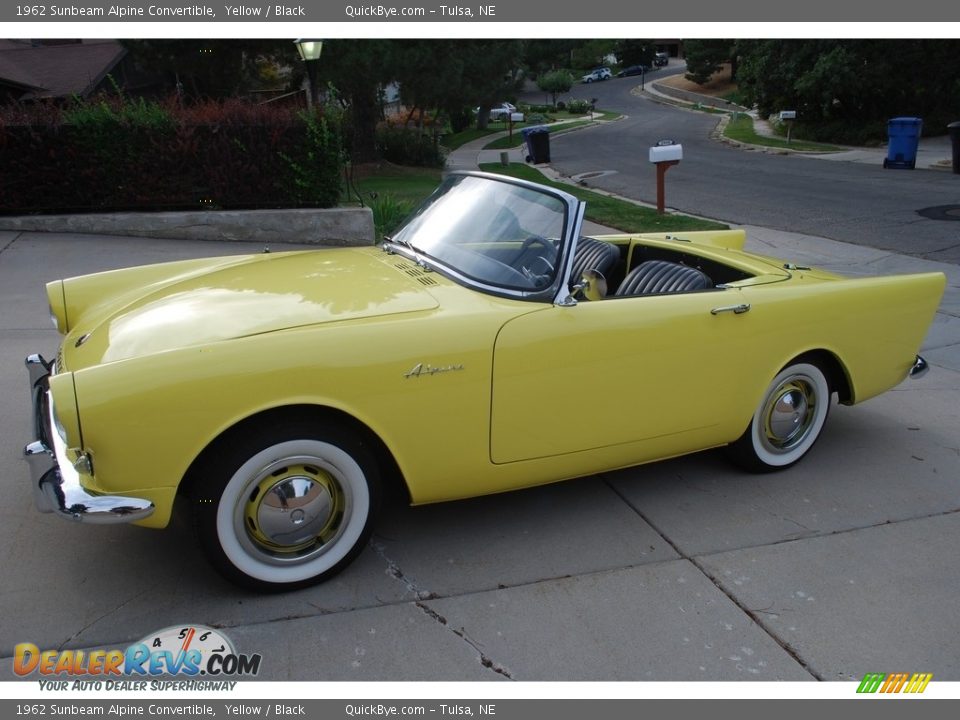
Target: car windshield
491, 233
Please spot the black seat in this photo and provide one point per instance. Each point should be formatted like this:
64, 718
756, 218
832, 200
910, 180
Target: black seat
593, 255
661, 276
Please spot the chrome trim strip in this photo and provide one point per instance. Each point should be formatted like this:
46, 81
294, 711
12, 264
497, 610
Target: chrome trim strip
920, 368
55, 483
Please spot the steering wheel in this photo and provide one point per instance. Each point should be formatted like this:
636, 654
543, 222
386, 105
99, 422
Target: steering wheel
539, 279
493, 270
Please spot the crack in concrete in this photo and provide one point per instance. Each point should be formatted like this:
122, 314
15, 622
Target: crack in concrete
10, 244
485, 660
394, 571
93, 622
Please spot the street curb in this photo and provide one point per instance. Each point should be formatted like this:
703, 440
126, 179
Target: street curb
685, 96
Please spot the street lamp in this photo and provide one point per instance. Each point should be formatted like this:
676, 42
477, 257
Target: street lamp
310, 54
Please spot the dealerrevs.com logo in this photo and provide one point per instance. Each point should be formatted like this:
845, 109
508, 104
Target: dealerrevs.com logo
191, 651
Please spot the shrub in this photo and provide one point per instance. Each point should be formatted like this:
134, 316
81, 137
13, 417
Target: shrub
461, 120
112, 153
316, 177
578, 107
388, 212
404, 146
555, 82
537, 119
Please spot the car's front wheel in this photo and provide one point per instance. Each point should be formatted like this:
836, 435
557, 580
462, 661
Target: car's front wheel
286, 506
787, 421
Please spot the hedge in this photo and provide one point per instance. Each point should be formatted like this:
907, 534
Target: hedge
111, 155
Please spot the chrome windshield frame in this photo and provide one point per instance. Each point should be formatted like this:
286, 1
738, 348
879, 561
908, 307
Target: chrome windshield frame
573, 210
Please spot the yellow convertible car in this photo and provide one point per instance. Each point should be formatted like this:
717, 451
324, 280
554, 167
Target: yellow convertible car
486, 346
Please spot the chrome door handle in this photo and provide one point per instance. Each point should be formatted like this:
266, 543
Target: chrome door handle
735, 309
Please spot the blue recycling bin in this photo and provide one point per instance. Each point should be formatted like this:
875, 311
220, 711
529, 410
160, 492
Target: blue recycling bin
537, 140
904, 138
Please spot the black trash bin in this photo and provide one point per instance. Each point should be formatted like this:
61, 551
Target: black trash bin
537, 139
904, 139
954, 130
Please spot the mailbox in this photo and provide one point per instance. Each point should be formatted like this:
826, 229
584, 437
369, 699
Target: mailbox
788, 115
516, 117
666, 153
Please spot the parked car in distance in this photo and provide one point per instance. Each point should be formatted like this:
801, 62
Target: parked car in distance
503, 111
597, 74
486, 346
633, 70
661, 59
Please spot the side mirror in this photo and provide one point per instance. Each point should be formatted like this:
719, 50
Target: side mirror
593, 285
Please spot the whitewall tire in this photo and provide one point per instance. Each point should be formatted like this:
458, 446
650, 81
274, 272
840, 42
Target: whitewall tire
788, 420
288, 506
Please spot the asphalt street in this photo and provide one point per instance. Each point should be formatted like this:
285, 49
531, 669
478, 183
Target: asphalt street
851, 202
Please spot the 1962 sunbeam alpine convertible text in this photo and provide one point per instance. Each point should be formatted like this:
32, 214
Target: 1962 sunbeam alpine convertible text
278, 392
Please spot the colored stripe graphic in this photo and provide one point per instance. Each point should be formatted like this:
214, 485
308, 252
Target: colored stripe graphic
918, 683
871, 682
894, 682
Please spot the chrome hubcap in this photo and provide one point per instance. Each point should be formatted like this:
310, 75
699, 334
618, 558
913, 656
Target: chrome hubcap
294, 509
789, 413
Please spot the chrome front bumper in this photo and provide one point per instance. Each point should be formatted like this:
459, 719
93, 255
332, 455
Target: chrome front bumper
56, 483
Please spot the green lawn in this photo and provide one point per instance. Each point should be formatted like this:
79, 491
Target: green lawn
455, 140
407, 186
392, 192
620, 214
505, 143
740, 128
517, 140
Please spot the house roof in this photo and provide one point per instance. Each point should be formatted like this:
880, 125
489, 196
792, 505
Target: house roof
51, 71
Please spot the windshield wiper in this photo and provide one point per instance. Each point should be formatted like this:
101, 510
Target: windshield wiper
415, 251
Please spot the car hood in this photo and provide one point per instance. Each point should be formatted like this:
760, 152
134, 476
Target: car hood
176, 305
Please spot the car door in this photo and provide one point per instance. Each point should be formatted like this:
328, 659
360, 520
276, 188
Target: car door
621, 370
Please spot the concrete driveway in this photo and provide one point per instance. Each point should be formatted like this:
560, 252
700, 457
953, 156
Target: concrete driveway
680, 570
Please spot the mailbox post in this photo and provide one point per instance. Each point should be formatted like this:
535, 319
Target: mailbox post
787, 117
514, 117
665, 154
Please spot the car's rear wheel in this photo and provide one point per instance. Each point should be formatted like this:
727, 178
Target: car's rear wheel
787, 421
286, 506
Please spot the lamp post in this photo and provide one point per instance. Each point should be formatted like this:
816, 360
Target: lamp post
310, 54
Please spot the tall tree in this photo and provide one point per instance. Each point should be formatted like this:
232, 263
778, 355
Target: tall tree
491, 73
592, 53
539, 56
209, 68
358, 69
555, 82
635, 52
852, 83
706, 57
